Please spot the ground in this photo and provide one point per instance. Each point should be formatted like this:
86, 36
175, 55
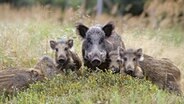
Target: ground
25, 35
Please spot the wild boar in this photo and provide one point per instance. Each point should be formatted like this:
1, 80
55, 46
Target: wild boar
47, 66
12, 80
98, 41
130, 59
17, 79
64, 57
159, 71
116, 63
162, 72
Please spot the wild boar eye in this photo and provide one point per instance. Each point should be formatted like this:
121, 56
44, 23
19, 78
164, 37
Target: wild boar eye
56, 49
119, 61
66, 48
110, 60
134, 59
101, 41
125, 59
89, 41
50, 66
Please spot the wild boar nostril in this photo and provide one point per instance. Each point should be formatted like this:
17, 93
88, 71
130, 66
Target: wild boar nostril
61, 60
115, 70
130, 72
96, 62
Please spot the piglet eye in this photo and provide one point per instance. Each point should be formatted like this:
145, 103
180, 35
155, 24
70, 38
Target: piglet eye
125, 59
134, 59
110, 60
56, 49
66, 48
50, 66
119, 61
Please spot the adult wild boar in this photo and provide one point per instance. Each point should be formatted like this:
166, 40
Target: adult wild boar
98, 41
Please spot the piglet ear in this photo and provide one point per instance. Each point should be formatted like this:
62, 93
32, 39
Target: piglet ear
34, 72
139, 54
108, 28
82, 29
121, 51
70, 43
53, 44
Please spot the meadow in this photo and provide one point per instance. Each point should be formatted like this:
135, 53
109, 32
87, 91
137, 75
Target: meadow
24, 38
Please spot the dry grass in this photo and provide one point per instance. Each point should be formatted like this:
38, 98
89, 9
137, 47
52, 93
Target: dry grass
20, 26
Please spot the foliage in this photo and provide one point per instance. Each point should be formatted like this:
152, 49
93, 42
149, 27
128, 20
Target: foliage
134, 7
93, 88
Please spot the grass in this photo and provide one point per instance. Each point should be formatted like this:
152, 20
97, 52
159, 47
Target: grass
94, 88
25, 38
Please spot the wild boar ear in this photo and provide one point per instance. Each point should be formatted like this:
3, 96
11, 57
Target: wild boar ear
121, 51
53, 44
139, 54
70, 43
34, 72
108, 28
82, 29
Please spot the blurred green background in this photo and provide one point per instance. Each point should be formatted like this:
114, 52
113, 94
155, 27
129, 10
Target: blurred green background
151, 13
